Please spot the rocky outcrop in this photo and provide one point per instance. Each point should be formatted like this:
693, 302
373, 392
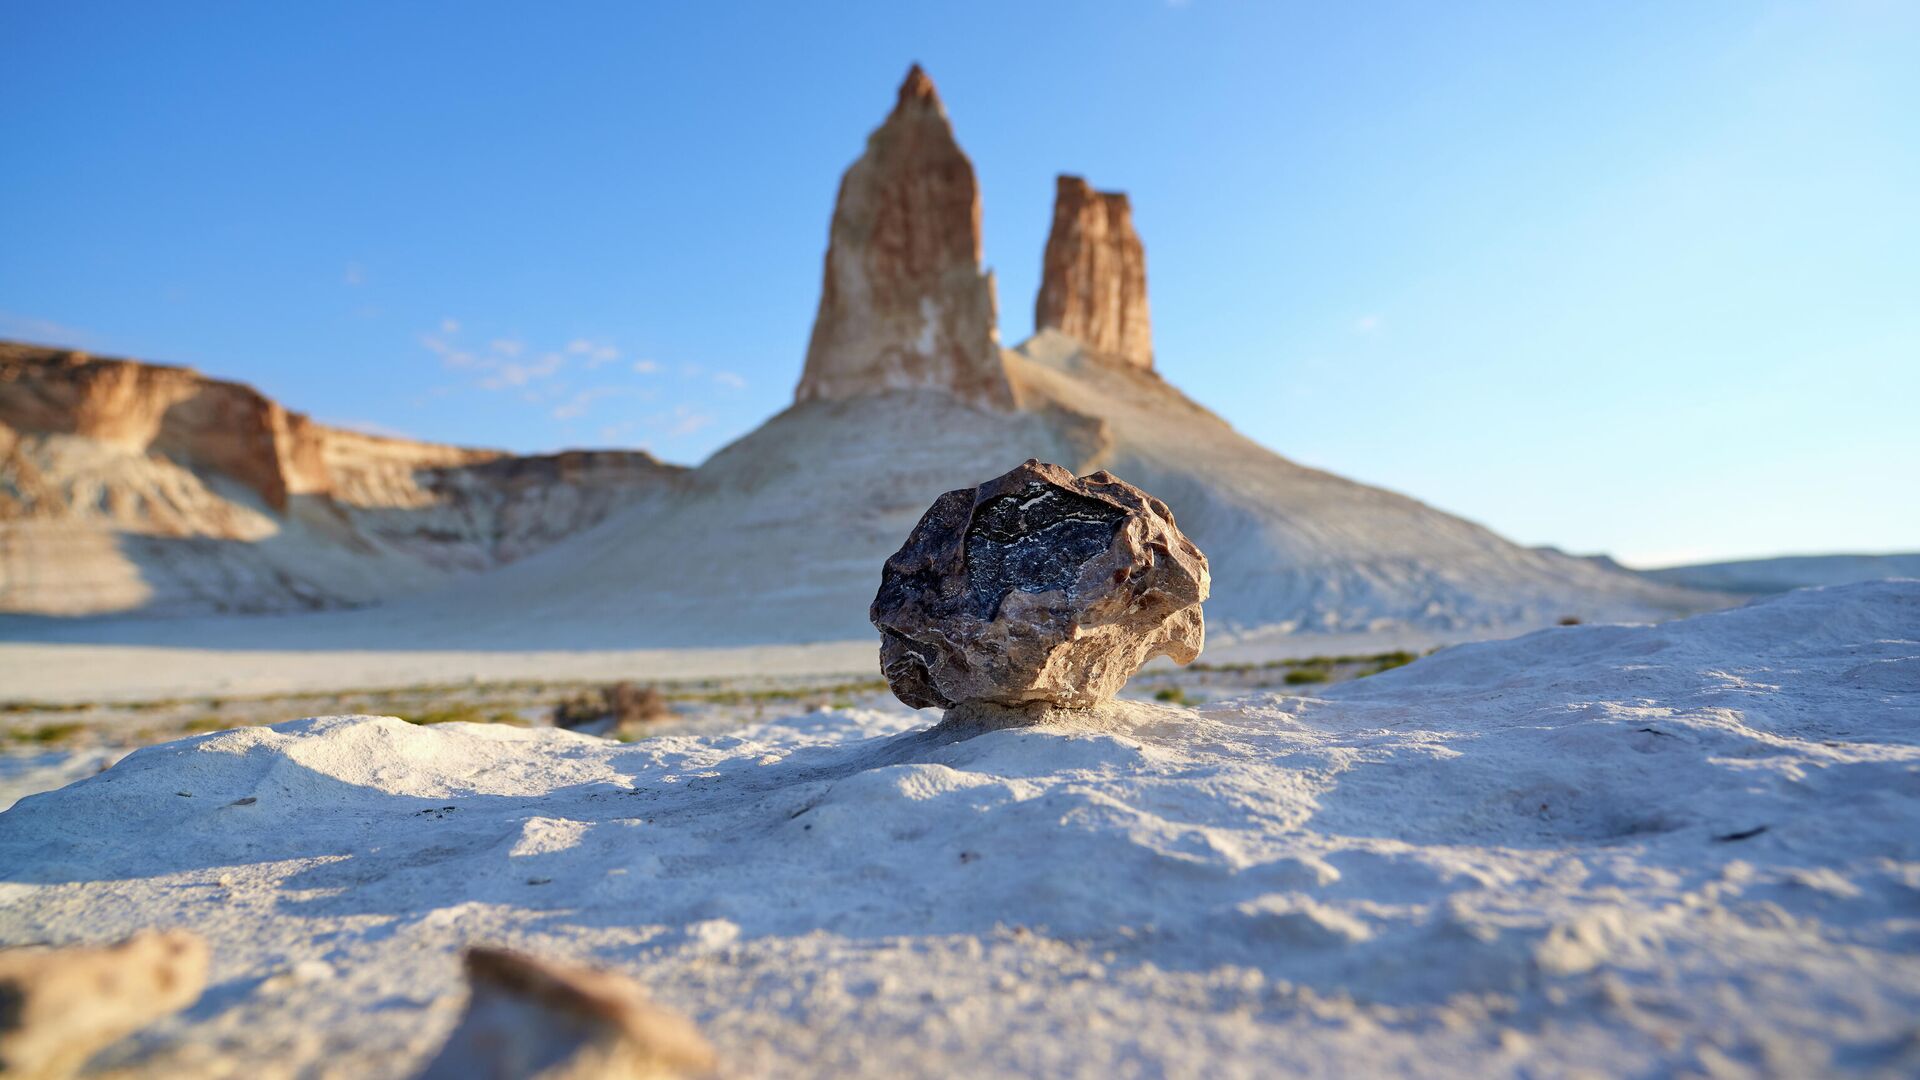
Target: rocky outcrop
132, 485
1035, 589
1094, 276
904, 303
531, 1018
58, 1006
200, 422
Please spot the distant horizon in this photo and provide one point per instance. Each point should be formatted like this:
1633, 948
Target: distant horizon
694, 464
1635, 281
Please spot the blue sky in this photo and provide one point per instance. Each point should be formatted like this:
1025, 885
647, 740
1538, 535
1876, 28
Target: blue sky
1636, 277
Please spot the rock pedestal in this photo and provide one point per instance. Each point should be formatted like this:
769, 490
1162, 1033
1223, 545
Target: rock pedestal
1037, 588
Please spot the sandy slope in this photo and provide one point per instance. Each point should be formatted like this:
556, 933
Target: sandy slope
1629, 850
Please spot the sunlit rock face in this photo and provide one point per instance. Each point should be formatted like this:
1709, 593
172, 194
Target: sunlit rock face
905, 303
127, 485
1094, 276
1038, 588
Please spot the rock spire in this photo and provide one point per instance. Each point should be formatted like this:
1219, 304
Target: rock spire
905, 303
1094, 276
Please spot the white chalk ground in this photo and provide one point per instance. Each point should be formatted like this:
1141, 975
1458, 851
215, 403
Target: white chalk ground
1684, 849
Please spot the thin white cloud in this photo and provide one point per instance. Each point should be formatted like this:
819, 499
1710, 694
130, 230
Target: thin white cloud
499, 365
1369, 323
645, 367
42, 331
354, 276
613, 433
450, 355
511, 373
685, 421
729, 380
576, 406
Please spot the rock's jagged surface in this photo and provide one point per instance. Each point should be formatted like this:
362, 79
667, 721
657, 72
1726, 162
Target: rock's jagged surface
132, 485
1038, 588
1093, 283
904, 303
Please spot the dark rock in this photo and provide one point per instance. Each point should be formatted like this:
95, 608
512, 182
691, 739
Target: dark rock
1037, 587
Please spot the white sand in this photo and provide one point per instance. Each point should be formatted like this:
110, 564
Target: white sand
1513, 858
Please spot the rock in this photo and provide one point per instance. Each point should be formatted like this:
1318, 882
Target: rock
905, 304
59, 1006
1037, 588
126, 484
529, 1018
1094, 276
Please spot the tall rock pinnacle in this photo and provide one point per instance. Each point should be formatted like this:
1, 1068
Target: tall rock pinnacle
905, 303
1094, 277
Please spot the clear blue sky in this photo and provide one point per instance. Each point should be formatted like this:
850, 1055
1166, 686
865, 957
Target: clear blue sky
1637, 277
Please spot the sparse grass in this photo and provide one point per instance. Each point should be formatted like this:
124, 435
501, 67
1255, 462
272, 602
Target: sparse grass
204, 724
47, 734
1304, 675
1378, 660
1389, 661
464, 713
1174, 695
768, 695
41, 706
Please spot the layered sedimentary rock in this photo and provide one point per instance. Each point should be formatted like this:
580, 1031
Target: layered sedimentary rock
59, 1006
200, 422
531, 1018
1038, 588
904, 303
1094, 276
132, 485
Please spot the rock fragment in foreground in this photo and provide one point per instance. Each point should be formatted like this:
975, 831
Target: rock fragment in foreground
1037, 588
529, 1018
60, 1006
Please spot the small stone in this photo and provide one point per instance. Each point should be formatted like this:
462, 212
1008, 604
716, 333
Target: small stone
534, 1018
59, 1006
1037, 589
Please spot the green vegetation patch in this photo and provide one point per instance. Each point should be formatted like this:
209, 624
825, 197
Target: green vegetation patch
49, 733
465, 713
